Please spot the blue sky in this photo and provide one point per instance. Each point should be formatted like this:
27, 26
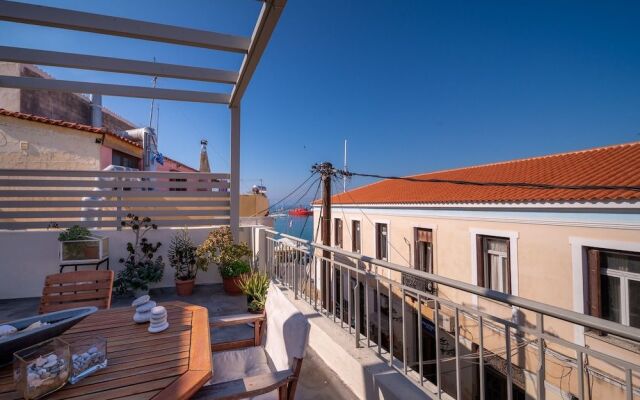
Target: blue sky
414, 86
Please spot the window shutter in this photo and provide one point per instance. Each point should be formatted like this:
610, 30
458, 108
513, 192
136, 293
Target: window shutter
593, 261
377, 241
424, 235
480, 260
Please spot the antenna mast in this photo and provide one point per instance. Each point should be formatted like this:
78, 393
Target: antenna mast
344, 177
155, 82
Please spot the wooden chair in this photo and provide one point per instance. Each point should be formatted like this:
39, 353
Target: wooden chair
267, 366
76, 289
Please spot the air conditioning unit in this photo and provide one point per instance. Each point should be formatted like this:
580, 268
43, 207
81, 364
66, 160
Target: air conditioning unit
446, 322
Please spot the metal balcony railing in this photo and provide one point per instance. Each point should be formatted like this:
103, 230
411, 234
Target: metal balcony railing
459, 341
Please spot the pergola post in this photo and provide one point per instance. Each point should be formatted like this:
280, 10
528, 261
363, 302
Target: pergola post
235, 172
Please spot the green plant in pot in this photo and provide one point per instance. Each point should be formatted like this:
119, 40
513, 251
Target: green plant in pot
183, 258
219, 248
73, 248
255, 285
141, 266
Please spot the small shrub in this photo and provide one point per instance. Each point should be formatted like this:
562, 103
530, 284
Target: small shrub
141, 267
235, 269
76, 232
183, 257
219, 248
255, 285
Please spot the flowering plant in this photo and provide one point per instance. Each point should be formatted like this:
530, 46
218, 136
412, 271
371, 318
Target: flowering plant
219, 248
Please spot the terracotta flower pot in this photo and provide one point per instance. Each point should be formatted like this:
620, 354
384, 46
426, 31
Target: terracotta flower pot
231, 285
185, 288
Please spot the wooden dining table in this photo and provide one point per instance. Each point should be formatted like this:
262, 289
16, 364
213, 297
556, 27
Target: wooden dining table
172, 364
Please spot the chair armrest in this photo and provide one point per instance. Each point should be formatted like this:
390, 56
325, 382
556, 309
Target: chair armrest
245, 387
236, 319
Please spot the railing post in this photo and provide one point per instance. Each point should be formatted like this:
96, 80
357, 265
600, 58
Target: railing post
295, 274
390, 324
507, 338
437, 323
379, 316
580, 367
541, 359
629, 384
481, 344
366, 309
356, 308
404, 332
419, 333
457, 349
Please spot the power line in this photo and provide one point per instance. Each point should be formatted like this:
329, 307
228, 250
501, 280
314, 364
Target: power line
287, 196
315, 196
306, 192
525, 185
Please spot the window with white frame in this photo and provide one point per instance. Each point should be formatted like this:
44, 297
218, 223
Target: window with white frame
382, 241
614, 285
493, 262
337, 235
356, 241
423, 253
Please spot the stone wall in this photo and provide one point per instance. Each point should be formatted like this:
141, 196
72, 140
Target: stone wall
46, 146
55, 105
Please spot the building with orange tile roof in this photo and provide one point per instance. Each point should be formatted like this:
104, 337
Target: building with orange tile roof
569, 244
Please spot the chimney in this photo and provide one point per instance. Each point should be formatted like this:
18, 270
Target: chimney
96, 110
204, 158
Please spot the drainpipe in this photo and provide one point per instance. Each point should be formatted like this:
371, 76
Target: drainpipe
96, 110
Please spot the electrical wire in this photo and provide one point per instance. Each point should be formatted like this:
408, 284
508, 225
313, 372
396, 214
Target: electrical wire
525, 185
373, 224
315, 196
299, 200
287, 196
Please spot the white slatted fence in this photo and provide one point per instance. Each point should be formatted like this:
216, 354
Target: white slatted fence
35, 199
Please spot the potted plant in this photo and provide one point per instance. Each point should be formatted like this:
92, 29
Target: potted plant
232, 273
183, 258
219, 248
77, 244
255, 285
141, 266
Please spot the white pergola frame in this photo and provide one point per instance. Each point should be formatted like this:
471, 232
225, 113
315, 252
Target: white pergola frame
251, 47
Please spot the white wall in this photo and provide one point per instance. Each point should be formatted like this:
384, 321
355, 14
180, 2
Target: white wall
26, 257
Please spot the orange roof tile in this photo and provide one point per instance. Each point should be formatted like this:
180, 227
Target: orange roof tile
617, 165
65, 124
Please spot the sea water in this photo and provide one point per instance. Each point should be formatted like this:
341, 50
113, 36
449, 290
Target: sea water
298, 226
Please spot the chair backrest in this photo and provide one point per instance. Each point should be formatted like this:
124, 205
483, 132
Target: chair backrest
287, 330
76, 289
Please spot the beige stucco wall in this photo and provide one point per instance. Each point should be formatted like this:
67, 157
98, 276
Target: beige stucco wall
48, 146
253, 205
544, 260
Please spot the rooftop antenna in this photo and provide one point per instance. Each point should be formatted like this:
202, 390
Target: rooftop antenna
158, 121
155, 83
344, 176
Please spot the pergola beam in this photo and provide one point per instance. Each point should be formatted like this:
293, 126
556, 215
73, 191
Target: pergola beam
112, 90
267, 21
117, 26
120, 65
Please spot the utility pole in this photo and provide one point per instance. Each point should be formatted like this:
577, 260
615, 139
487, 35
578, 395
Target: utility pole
326, 173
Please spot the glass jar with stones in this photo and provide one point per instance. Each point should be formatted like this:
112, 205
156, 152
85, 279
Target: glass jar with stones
87, 356
42, 368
